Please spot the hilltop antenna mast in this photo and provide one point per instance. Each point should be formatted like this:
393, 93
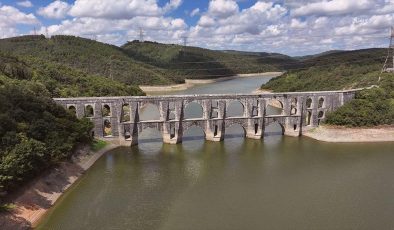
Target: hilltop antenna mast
141, 35
35, 31
388, 67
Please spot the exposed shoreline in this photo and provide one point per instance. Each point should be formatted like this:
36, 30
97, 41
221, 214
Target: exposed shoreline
351, 135
40, 195
192, 82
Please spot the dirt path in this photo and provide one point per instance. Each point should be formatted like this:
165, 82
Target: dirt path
36, 199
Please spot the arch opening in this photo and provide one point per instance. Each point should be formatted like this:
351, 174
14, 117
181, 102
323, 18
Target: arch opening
214, 114
274, 107
309, 103
274, 129
126, 113
193, 110
235, 109
235, 131
150, 135
89, 111
320, 116
106, 111
194, 132
172, 131
293, 106
72, 110
255, 108
107, 129
149, 112
309, 118
321, 102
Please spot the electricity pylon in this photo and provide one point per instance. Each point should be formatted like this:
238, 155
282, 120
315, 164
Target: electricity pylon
388, 66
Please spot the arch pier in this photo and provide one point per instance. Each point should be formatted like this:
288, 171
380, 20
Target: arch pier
118, 118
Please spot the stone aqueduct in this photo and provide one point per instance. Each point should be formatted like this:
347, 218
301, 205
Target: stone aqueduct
300, 111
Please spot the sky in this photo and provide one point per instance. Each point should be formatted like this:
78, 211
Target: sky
293, 27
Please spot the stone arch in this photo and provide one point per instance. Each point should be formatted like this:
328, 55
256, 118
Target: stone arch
72, 109
106, 110
107, 128
233, 130
89, 111
125, 115
276, 106
308, 118
320, 116
309, 103
149, 134
193, 131
229, 126
293, 106
321, 102
193, 110
274, 127
235, 108
149, 112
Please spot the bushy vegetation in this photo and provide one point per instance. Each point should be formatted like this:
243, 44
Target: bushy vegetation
35, 133
345, 70
86, 56
59, 80
372, 107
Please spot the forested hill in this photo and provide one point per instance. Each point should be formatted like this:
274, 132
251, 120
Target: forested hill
331, 71
136, 63
199, 63
87, 56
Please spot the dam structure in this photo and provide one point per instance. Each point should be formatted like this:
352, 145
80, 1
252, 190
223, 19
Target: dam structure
117, 119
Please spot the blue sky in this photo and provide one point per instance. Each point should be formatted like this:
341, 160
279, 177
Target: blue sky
295, 27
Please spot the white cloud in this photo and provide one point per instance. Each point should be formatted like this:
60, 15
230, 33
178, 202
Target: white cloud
321, 22
334, 7
119, 9
57, 10
206, 21
364, 26
11, 16
195, 12
26, 4
172, 5
297, 24
222, 8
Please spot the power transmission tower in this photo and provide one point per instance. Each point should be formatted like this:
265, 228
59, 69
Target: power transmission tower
184, 38
388, 66
35, 31
141, 35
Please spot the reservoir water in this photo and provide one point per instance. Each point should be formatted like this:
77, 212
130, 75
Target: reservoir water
275, 183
